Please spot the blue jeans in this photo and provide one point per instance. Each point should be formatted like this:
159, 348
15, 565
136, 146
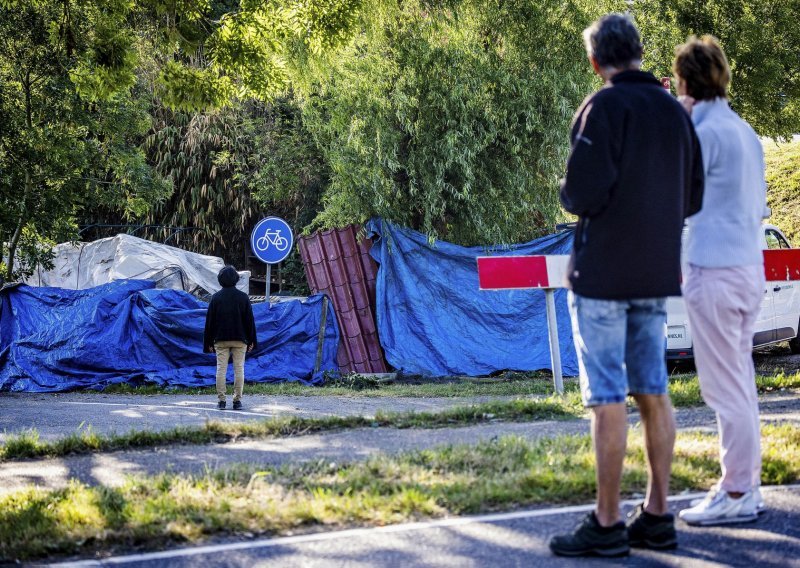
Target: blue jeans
621, 347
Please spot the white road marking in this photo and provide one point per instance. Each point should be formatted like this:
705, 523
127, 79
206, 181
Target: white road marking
405, 527
350, 533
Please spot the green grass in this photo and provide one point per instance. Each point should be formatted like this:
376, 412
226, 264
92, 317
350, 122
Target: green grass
353, 384
783, 180
684, 391
511, 472
684, 387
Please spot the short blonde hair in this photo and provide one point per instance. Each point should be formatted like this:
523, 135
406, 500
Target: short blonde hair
702, 66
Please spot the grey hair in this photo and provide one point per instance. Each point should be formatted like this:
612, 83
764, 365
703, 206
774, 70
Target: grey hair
614, 41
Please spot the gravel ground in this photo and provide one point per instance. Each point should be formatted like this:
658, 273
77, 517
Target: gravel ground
776, 358
112, 467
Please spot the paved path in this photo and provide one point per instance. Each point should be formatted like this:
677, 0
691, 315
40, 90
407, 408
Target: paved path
508, 540
347, 445
56, 415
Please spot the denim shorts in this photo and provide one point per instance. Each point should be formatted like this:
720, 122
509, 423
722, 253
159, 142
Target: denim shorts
621, 347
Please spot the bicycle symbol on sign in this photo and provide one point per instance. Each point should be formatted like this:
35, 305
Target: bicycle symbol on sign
272, 238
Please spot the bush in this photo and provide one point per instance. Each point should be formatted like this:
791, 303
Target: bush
783, 186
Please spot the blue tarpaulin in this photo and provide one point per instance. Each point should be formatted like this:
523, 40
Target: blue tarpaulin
53, 339
433, 320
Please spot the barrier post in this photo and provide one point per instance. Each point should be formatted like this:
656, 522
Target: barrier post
552, 333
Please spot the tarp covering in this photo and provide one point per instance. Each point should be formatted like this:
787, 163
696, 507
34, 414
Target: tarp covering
433, 320
52, 339
85, 265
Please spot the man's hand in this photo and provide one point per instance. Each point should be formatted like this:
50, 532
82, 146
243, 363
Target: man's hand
687, 103
249, 347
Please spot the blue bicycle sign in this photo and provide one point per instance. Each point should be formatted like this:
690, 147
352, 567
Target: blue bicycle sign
271, 240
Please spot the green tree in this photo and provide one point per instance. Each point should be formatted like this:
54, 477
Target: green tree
453, 119
450, 117
783, 186
229, 167
71, 125
761, 39
203, 154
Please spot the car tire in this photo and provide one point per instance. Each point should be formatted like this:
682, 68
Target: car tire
794, 344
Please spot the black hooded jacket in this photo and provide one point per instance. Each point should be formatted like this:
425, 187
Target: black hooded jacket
230, 315
634, 174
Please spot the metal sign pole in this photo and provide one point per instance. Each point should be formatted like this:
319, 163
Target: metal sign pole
271, 242
552, 332
269, 282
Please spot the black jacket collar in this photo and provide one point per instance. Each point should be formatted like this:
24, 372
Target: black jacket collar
634, 76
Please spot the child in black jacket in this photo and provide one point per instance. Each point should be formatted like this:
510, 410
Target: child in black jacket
230, 331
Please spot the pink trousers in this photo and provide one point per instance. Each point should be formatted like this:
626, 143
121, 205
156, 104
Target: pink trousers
723, 304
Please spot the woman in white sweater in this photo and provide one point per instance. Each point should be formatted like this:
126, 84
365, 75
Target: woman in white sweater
724, 284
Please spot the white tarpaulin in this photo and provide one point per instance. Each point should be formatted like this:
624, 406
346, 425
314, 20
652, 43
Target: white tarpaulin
84, 265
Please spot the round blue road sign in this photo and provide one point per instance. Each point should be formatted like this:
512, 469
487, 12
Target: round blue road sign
271, 240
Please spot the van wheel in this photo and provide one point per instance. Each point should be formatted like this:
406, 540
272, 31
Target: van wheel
794, 344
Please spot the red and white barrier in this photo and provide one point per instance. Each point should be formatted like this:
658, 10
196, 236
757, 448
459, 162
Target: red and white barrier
522, 272
546, 272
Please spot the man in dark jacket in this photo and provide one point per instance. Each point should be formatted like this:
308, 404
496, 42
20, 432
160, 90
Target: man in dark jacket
633, 175
230, 331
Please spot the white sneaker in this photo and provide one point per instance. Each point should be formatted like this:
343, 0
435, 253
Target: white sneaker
761, 507
719, 508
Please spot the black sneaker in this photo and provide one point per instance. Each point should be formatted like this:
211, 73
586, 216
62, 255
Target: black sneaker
646, 530
237, 404
589, 538
221, 405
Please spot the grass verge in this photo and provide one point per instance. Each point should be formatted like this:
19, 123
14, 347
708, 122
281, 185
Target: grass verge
28, 444
510, 472
353, 384
684, 391
684, 387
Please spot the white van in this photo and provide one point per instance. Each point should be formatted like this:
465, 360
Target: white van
778, 320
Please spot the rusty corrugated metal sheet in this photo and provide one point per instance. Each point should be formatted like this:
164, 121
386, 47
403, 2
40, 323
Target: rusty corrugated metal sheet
338, 264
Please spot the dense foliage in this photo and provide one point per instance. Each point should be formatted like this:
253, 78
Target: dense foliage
452, 120
783, 187
761, 39
229, 167
450, 116
71, 124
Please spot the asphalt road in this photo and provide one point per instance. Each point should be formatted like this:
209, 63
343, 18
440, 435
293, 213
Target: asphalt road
516, 539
